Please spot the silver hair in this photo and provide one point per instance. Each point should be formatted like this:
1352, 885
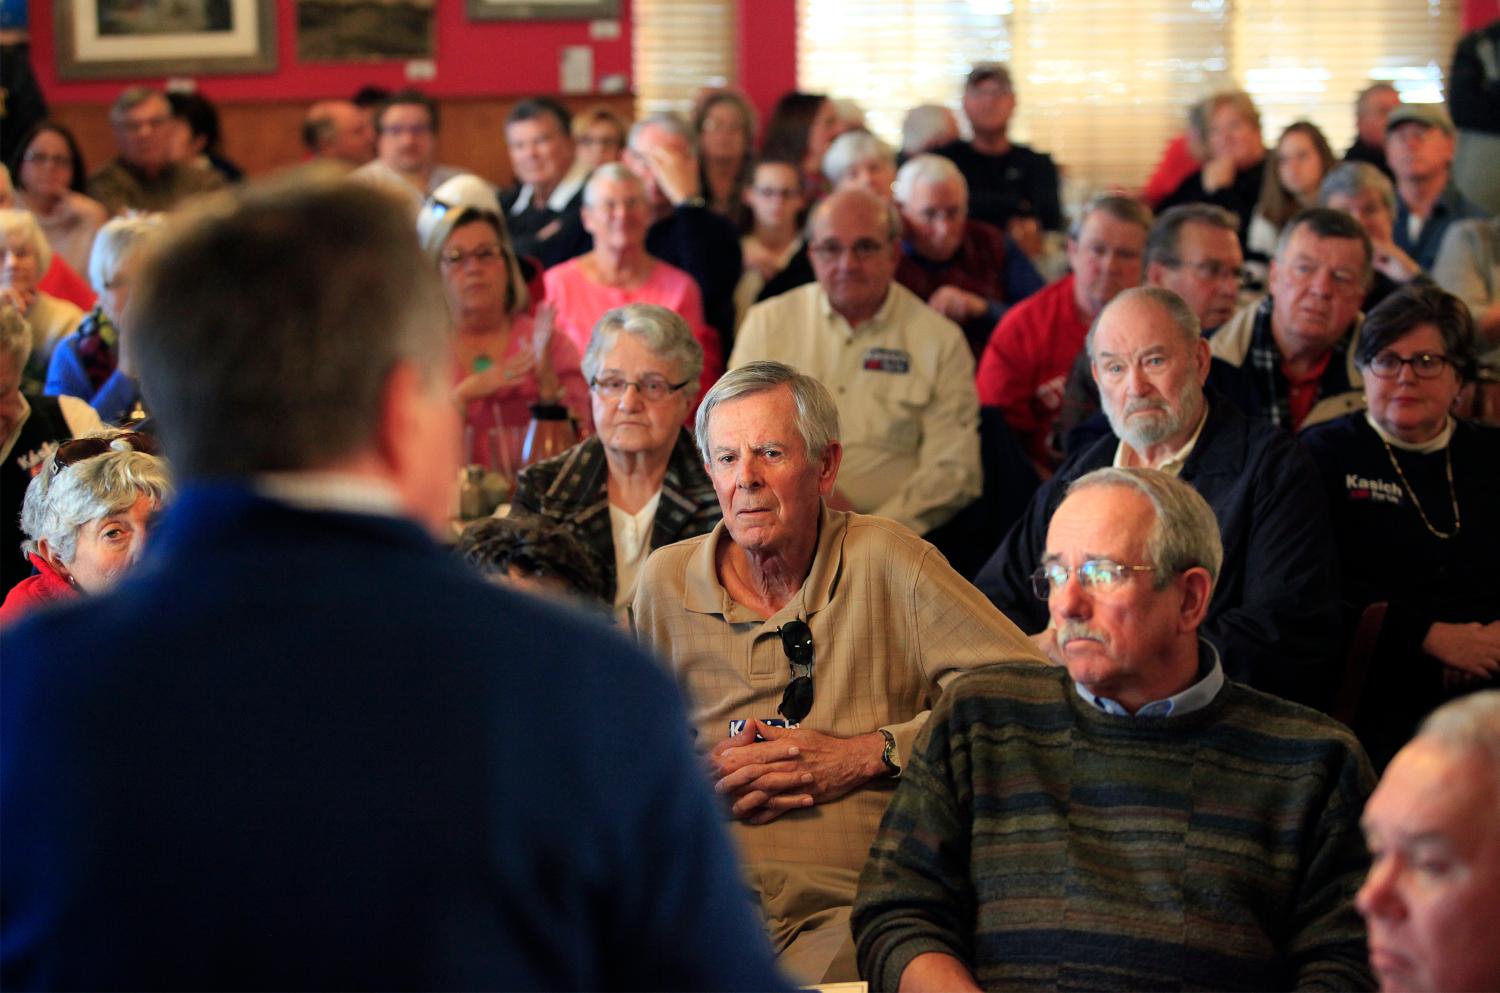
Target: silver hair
1121, 208
851, 148
891, 213
1184, 533
116, 241
662, 331
1350, 179
666, 120
922, 124
14, 222
59, 503
1166, 233
817, 416
1471, 722
928, 169
132, 98
610, 172
15, 334
1172, 305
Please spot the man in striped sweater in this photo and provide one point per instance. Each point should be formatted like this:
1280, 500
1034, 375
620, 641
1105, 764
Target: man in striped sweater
1130, 820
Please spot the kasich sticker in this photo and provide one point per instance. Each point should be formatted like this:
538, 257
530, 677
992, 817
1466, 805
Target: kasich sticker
887, 360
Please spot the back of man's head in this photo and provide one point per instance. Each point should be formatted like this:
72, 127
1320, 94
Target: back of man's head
265, 333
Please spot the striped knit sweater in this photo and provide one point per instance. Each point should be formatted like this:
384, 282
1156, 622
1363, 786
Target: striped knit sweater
1050, 846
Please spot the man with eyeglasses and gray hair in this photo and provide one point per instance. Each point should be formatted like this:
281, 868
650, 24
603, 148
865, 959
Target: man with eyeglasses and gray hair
1131, 819
1274, 612
901, 373
810, 643
143, 175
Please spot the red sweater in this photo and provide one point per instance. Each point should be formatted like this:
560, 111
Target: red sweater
1032, 346
47, 586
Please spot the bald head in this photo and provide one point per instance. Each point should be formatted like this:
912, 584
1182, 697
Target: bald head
852, 237
337, 129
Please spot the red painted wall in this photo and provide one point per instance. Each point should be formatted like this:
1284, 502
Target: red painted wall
473, 58
766, 50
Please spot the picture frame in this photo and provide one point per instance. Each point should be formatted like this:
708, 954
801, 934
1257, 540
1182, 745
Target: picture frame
109, 39
541, 10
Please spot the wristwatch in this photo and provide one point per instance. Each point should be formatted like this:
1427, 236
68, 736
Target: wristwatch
888, 754
696, 201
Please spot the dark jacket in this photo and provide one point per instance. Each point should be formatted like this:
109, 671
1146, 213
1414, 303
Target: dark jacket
309, 750
1274, 611
573, 489
1239, 197
1021, 183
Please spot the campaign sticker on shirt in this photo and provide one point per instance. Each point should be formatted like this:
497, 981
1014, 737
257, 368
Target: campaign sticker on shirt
887, 360
737, 726
1378, 490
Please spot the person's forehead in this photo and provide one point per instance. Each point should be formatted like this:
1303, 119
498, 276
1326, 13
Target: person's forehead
1308, 244
776, 172
1100, 520
613, 188
849, 220
152, 106
1135, 326
1208, 241
656, 136
1102, 226
949, 190
1431, 790
756, 418
406, 113
1420, 128
541, 126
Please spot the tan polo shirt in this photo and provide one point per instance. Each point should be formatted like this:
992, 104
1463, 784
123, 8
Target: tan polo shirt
892, 623
904, 385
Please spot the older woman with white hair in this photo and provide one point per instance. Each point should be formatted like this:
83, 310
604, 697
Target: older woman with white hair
86, 517
639, 483
90, 362
619, 270
859, 160
27, 258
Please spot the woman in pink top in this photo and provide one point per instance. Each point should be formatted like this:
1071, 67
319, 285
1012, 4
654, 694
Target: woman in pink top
619, 271
504, 359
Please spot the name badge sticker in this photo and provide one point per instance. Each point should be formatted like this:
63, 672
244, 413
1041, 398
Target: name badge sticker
886, 360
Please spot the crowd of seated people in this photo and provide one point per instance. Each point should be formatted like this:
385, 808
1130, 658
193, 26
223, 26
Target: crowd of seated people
808, 372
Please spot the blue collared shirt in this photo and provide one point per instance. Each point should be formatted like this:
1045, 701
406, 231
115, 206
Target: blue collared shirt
1195, 697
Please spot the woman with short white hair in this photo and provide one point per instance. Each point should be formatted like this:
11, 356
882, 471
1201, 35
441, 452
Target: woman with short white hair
27, 256
88, 363
86, 517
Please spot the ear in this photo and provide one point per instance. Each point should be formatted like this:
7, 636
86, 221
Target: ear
1154, 272
49, 555
828, 467
1197, 589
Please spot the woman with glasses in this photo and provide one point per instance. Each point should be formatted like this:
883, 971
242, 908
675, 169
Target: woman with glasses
86, 517
639, 483
505, 359
619, 270
88, 363
49, 173
1413, 494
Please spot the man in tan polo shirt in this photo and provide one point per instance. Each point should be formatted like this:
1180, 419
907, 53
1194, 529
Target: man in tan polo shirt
844, 625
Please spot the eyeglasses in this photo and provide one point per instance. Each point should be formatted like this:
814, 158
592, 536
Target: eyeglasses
653, 388
1099, 575
484, 255
776, 192
80, 449
400, 130
143, 123
797, 643
862, 250
1427, 365
590, 141
1210, 269
43, 159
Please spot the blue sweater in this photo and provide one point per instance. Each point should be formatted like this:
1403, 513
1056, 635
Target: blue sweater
66, 376
301, 750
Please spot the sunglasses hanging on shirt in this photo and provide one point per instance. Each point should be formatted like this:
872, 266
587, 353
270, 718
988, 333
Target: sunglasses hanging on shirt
797, 643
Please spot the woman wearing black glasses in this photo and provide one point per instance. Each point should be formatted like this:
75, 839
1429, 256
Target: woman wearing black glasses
1413, 494
86, 516
639, 483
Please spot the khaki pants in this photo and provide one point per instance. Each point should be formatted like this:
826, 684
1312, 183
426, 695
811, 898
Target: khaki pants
807, 917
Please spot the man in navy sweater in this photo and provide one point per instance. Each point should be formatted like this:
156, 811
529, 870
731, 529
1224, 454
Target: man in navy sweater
305, 748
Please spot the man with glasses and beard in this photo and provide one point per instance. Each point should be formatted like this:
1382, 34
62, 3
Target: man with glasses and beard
1274, 613
1130, 819
810, 644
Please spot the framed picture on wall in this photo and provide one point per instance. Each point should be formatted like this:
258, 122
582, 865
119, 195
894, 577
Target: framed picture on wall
99, 39
359, 30
542, 10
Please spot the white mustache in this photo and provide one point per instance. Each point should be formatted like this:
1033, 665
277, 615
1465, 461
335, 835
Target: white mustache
1136, 406
1078, 631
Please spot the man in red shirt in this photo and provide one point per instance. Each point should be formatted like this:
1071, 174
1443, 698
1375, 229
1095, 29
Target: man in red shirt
1026, 362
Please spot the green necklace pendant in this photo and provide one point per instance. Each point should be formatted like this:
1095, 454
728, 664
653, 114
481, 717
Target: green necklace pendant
481, 362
